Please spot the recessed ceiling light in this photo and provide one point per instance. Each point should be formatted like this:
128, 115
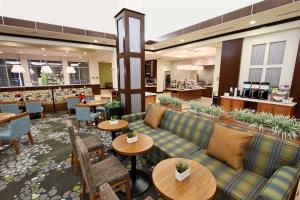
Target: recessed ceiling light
84, 53
43, 49
44, 55
96, 41
67, 51
79, 56
1, 51
252, 22
182, 40
64, 55
21, 52
152, 48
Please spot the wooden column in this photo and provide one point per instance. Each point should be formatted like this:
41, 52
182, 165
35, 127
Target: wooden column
230, 65
295, 90
131, 60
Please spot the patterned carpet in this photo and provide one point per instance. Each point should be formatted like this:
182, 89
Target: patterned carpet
43, 170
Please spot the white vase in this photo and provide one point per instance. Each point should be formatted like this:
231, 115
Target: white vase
113, 122
183, 175
132, 140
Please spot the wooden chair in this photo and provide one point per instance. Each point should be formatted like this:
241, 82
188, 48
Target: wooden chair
93, 144
109, 170
19, 126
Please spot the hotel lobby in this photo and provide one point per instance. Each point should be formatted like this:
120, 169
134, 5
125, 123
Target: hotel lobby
150, 100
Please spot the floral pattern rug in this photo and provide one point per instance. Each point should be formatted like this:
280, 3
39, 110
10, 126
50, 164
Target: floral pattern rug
44, 171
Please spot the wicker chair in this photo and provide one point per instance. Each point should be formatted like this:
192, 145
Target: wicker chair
109, 170
92, 143
106, 193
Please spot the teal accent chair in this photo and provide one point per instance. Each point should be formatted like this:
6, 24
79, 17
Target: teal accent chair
71, 102
102, 109
83, 113
19, 125
10, 107
34, 106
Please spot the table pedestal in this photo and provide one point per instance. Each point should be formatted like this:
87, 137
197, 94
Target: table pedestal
140, 180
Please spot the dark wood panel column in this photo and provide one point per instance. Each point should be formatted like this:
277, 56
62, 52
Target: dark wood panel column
230, 65
131, 60
295, 90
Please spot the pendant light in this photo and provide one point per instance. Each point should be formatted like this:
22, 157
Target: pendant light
19, 69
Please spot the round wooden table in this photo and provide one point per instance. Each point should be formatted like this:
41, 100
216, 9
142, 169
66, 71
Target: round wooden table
106, 126
140, 180
200, 185
4, 117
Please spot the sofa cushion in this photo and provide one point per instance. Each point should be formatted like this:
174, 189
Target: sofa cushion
228, 145
189, 127
231, 184
154, 116
265, 154
173, 145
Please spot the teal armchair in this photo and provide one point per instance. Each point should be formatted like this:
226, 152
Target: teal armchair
19, 126
71, 102
10, 107
34, 106
83, 113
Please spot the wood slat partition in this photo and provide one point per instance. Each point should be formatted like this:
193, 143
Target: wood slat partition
230, 65
295, 90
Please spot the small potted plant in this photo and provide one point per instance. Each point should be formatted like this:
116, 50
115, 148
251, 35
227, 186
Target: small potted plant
182, 171
114, 108
113, 120
131, 137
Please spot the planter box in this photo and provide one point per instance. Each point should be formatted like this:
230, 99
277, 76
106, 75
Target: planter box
110, 112
183, 175
113, 122
132, 140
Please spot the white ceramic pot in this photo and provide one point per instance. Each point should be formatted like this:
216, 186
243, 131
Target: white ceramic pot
132, 140
113, 122
183, 175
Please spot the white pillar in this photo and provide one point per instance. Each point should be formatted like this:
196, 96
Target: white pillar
26, 74
94, 70
114, 69
66, 75
217, 70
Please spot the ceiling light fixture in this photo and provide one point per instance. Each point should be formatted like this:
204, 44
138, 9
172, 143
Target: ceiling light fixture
46, 69
252, 22
67, 51
152, 48
96, 41
43, 49
18, 69
21, 52
80, 57
1, 52
71, 70
182, 40
84, 53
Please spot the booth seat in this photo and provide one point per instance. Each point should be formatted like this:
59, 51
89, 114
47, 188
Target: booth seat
271, 165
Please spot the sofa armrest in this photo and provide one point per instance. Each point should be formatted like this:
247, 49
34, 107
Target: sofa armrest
134, 117
281, 184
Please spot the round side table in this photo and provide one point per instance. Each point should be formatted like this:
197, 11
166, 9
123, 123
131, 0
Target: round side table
106, 126
201, 184
140, 180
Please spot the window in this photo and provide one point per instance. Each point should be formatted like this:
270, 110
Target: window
266, 62
7, 78
35, 67
82, 75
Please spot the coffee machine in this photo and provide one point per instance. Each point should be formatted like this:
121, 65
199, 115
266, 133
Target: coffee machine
255, 90
264, 91
246, 89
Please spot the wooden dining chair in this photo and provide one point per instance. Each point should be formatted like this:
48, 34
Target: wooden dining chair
19, 125
109, 170
93, 144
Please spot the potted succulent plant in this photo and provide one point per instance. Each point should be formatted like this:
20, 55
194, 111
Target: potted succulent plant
182, 170
113, 120
132, 137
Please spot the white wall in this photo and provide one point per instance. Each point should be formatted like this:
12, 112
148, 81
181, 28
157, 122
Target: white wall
292, 41
207, 74
94, 70
162, 66
114, 69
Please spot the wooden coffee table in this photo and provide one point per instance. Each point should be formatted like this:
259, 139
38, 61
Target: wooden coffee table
200, 185
140, 180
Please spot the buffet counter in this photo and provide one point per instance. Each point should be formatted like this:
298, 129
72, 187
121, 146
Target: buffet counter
150, 98
186, 94
230, 103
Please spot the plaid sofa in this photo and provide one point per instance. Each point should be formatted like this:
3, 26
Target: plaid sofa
271, 165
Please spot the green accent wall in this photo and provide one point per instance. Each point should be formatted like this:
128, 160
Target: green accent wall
105, 73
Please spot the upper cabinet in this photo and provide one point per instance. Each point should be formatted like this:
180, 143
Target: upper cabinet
150, 68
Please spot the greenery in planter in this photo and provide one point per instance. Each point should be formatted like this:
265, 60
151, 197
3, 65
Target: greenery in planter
176, 102
115, 117
131, 134
165, 99
113, 104
281, 125
198, 107
182, 166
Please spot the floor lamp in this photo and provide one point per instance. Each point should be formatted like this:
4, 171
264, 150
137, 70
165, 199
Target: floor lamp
18, 69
